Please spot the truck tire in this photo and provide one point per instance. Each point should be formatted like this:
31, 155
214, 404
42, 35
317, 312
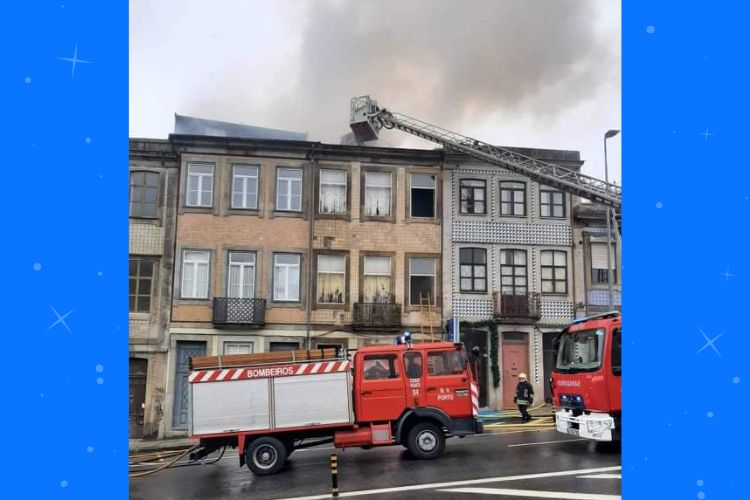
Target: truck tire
265, 455
426, 441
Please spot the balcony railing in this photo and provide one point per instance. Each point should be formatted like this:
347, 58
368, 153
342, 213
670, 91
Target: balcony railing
513, 308
234, 311
376, 316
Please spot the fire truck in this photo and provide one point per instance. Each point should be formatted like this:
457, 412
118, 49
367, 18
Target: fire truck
381, 397
586, 381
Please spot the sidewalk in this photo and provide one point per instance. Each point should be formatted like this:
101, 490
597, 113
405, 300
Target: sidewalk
144, 446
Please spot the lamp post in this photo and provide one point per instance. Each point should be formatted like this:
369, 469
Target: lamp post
607, 135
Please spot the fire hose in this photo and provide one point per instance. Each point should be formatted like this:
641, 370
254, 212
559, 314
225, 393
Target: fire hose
178, 454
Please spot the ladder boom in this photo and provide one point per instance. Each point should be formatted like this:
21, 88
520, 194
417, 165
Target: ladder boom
367, 119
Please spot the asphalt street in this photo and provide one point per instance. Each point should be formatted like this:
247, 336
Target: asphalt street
505, 465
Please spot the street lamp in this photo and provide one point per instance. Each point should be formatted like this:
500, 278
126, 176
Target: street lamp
607, 135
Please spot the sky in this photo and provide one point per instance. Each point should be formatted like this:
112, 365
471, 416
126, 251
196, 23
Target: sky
533, 73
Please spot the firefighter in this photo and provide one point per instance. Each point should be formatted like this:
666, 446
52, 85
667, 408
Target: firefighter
377, 371
524, 396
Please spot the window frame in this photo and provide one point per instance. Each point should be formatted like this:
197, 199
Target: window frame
435, 285
513, 191
139, 278
347, 193
391, 217
613, 263
434, 190
145, 187
273, 279
183, 263
242, 265
258, 186
473, 266
316, 274
301, 189
513, 275
393, 365
225, 343
200, 176
392, 291
551, 203
553, 267
473, 190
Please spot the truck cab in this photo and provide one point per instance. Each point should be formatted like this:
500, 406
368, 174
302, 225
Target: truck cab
586, 382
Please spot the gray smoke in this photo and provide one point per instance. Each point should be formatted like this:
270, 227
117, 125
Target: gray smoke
444, 61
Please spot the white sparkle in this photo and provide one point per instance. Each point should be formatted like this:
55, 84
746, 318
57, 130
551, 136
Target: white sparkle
61, 319
74, 60
27, 79
88, 140
100, 380
736, 380
710, 414
99, 273
710, 343
42, 395
90, 449
706, 133
99, 368
64, 483
701, 495
727, 275
650, 29
659, 204
700, 482
37, 266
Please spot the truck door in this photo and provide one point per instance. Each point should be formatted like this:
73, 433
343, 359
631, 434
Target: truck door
382, 394
447, 382
415, 390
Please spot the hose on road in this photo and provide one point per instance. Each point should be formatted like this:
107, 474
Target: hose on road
162, 467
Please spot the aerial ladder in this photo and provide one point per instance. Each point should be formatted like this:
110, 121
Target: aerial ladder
367, 119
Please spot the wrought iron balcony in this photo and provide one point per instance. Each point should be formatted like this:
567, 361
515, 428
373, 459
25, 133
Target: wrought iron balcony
517, 308
376, 316
235, 311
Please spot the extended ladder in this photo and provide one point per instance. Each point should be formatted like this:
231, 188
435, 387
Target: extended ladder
367, 119
425, 318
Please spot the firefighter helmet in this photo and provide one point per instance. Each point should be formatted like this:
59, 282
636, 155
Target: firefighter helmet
522, 375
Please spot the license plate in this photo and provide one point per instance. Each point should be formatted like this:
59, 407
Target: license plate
572, 432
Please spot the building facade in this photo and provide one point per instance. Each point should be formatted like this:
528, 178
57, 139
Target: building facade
152, 216
508, 256
293, 244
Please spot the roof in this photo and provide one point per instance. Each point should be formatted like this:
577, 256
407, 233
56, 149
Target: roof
190, 125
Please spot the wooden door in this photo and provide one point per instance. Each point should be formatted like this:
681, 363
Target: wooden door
185, 351
137, 388
515, 356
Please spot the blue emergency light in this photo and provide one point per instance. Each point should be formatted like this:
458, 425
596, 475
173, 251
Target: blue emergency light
404, 339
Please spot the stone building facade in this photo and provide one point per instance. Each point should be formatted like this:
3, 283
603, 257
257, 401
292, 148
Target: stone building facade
152, 215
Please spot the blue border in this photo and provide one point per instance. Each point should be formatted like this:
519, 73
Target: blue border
65, 245
685, 264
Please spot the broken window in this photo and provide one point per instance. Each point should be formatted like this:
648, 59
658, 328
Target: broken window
422, 195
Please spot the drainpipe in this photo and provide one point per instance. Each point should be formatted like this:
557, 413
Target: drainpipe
311, 217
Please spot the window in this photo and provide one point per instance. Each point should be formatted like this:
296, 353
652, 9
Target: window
378, 194
617, 352
331, 279
422, 195
339, 347
144, 194
380, 366
445, 363
473, 196
332, 192
552, 203
581, 351
413, 364
473, 269
238, 348
245, 186
286, 277
200, 185
513, 198
289, 189
513, 272
195, 274
376, 282
421, 280
554, 271
283, 346
141, 274
241, 282
599, 268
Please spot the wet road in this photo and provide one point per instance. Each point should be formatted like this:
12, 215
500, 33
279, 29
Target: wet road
531, 464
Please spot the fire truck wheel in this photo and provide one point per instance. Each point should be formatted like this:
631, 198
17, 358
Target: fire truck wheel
426, 441
265, 455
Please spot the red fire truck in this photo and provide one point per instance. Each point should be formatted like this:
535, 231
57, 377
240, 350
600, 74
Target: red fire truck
381, 397
586, 381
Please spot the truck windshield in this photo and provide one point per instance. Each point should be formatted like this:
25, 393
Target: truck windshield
581, 351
